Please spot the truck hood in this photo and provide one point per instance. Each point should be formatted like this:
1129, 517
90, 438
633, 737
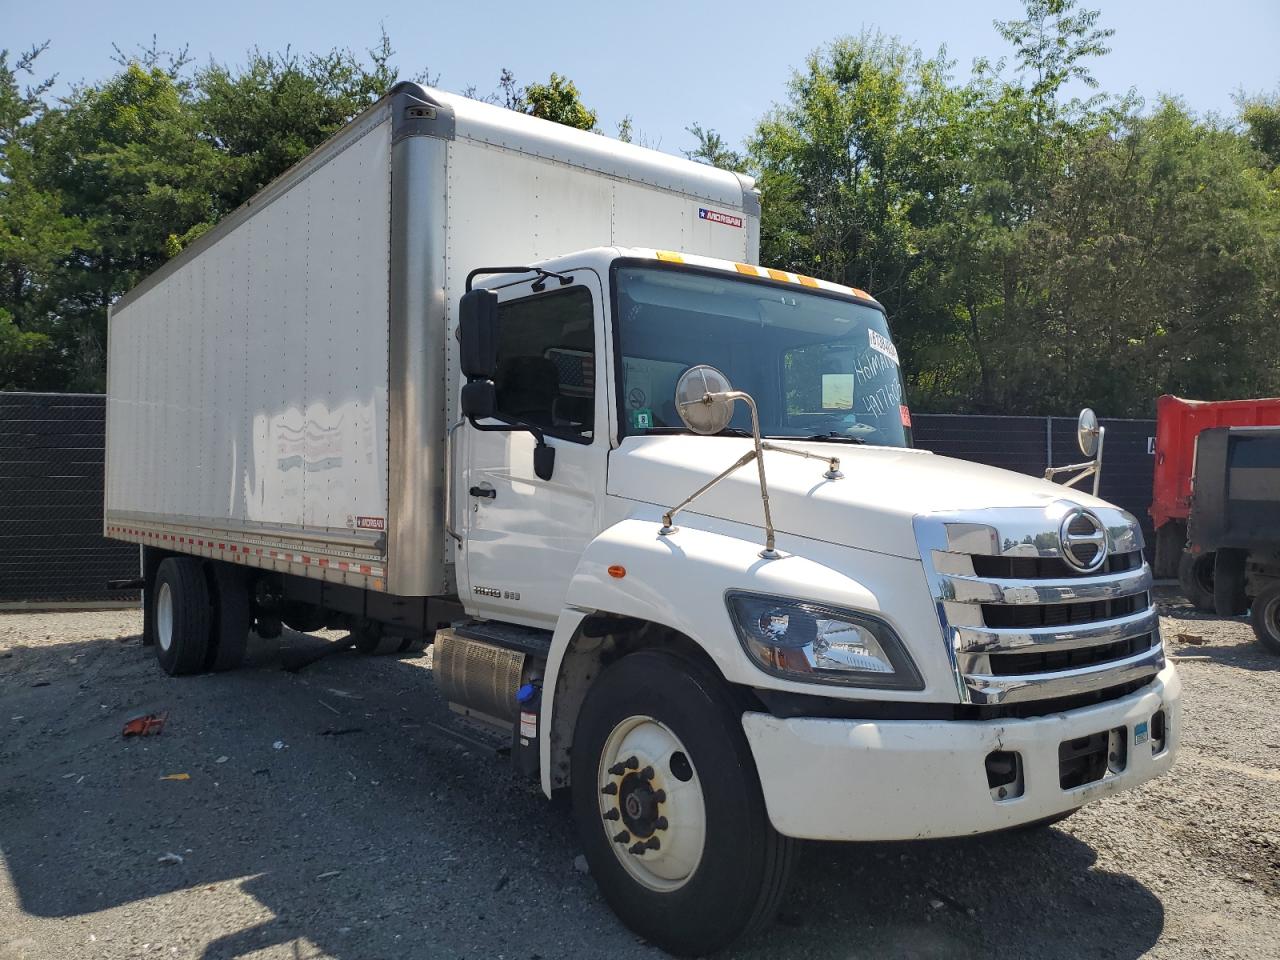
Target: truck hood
871, 507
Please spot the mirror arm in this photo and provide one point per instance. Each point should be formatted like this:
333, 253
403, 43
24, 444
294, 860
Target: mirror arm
833, 463
668, 518
756, 454
544, 455
1090, 468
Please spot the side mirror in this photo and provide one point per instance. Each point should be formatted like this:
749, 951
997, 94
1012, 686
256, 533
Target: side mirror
1087, 432
479, 400
478, 334
702, 401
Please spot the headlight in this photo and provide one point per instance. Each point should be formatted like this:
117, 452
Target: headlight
816, 644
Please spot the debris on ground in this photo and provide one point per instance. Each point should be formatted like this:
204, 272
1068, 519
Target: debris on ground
176, 776
144, 725
1194, 639
170, 858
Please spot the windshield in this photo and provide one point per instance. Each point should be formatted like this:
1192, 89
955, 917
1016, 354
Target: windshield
817, 365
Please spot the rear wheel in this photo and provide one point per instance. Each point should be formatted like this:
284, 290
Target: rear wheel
372, 640
669, 809
1229, 599
233, 618
1266, 618
182, 616
1195, 574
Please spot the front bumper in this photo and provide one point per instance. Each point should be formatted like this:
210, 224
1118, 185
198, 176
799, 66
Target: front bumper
908, 779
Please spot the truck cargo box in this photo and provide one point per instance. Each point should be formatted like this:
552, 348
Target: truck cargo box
280, 392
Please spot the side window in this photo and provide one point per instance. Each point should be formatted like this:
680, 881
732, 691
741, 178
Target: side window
547, 361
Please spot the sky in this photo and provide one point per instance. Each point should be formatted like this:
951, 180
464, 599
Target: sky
666, 64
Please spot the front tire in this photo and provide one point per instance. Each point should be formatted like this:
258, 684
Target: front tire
1265, 617
659, 756
182, 615
1195, 575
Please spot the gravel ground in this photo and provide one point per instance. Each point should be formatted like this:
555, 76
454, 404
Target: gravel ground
334, 812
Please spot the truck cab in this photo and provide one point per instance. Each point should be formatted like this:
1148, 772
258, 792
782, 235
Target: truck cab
907, 620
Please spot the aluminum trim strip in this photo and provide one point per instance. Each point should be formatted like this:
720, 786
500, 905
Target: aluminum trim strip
987, 689
366, 540
963, 589
984, 640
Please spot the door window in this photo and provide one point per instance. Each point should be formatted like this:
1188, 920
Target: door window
546, 363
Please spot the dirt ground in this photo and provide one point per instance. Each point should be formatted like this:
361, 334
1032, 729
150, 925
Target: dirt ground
335, 812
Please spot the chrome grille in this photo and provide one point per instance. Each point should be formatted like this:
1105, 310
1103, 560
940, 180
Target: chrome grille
1024, 624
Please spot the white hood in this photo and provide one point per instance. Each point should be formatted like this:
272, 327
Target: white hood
871, 507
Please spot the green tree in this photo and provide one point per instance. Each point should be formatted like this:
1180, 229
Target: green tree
36, 237
558, 100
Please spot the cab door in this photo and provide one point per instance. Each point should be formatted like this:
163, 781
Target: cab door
522, 535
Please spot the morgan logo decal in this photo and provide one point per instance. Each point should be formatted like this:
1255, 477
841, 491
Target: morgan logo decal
371, 523
715, 216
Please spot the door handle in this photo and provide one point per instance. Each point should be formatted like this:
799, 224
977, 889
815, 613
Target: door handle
488, 493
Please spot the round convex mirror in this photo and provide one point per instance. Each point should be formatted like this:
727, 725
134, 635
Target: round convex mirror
699, 413
1087, 432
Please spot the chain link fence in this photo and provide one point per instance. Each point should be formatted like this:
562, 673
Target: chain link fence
51, 546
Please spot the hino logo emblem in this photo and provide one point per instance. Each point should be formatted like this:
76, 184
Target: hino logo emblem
1083, 539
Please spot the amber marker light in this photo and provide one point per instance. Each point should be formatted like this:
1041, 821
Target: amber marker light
617, 571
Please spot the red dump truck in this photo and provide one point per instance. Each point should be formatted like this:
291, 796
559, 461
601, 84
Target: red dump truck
1178, 425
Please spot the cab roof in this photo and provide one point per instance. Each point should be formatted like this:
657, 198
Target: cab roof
746, 269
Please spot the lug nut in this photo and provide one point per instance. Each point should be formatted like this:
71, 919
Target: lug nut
637, 848
659, 796
631, 763
609, 789
617, 770
646, 773
621, 837
653, 843
611, 813
661, 823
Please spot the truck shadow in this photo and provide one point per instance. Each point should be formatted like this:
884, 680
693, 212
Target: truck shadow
373, 832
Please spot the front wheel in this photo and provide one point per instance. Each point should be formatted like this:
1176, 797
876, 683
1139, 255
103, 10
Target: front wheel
1266, 618
668, 806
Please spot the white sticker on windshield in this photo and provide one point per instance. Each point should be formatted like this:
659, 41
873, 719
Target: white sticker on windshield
883, 344
837, 391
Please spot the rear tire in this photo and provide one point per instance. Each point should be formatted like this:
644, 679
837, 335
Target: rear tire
183, 616
1195, 574
719, 869
233, 618
1229, 599
372, 641
1265, 617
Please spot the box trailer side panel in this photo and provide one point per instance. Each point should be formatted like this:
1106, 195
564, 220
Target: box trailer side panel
288, 381
248, 389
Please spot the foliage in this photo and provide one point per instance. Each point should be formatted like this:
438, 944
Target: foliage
1035, 252
558, 100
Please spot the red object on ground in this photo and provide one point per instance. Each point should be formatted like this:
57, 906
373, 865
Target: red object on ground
1178, 423
144, 725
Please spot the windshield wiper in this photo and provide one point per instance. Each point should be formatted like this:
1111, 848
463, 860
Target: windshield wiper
830, 435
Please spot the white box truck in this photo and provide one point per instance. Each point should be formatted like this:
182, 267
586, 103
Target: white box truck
522, 391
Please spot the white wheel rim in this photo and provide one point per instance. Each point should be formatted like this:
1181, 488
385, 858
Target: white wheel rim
164, 617
651, 804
